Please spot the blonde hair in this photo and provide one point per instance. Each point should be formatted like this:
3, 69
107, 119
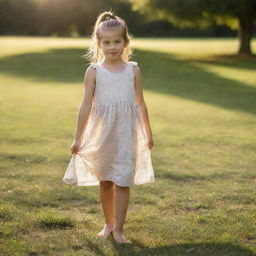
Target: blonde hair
108, 20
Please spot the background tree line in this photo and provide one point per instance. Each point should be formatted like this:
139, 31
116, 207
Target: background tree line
76, 17
147, 18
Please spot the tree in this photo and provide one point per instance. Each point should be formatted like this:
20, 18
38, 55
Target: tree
240, 14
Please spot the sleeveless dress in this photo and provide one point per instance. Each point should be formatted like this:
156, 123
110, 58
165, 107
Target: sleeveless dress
114, 144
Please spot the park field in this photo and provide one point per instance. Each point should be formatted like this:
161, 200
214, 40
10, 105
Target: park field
201, 100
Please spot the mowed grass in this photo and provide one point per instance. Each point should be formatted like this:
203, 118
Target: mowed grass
202, 107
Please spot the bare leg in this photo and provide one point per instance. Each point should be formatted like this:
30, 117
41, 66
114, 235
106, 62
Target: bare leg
121, 205
107, 195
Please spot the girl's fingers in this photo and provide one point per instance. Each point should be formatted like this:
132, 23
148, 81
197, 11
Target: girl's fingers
74, 149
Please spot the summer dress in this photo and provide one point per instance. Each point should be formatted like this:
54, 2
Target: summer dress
114, 145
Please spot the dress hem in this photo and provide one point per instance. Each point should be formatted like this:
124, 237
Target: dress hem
97, 183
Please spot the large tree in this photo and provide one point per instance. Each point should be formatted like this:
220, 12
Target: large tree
240, 14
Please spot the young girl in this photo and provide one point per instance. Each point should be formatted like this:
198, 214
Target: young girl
113, 137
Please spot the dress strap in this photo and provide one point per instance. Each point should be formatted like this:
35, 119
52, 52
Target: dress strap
134, 63
93, 65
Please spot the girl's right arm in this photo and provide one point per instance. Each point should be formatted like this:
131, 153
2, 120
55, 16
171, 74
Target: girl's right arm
85, 108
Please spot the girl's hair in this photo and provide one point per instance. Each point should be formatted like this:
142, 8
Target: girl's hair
108, 20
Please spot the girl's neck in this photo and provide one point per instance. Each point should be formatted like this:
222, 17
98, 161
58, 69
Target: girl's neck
113, 62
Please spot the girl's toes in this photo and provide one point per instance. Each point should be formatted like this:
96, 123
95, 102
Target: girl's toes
100, 235
120, 238
105, 232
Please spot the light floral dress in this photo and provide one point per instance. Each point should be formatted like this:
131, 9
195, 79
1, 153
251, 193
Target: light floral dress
114, 145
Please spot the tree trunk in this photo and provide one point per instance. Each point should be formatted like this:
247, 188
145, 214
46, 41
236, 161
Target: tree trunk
245, 35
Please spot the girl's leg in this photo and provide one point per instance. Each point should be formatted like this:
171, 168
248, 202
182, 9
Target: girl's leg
107, 195
121, 206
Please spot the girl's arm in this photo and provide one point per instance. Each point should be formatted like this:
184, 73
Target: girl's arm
142, 105
85, 106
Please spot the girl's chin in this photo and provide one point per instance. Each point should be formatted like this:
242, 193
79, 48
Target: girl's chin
114, 57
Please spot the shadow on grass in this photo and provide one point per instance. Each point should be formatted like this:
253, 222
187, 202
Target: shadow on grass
51, 198
165, 74
62, 66
197, 177
233, 61
162, 73
193, 249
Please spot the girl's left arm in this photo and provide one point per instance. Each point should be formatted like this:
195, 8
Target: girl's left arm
142, 105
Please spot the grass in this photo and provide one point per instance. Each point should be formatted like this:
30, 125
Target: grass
202, 104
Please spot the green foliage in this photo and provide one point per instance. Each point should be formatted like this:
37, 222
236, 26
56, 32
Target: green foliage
76, 18
201, 13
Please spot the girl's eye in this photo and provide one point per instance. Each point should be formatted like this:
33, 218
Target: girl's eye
117, 41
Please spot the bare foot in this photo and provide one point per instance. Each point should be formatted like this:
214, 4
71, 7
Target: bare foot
119, 237
106, 231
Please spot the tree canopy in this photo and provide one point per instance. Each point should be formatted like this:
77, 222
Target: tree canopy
240, 14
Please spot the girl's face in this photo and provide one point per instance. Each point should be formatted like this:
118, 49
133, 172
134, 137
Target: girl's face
112, 44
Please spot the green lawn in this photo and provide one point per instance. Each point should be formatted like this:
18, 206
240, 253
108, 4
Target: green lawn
202, 107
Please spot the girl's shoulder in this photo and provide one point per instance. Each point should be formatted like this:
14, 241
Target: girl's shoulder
93, 65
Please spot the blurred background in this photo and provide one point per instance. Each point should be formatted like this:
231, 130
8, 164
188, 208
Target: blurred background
145, 18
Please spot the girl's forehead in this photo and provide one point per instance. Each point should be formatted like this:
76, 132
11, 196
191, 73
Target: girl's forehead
108, 34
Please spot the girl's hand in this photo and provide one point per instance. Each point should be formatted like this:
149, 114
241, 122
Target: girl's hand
75, 146
150, 143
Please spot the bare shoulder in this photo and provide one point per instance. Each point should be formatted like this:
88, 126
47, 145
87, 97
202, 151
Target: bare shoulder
89, 84
91, 70
136, 69
90, 73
